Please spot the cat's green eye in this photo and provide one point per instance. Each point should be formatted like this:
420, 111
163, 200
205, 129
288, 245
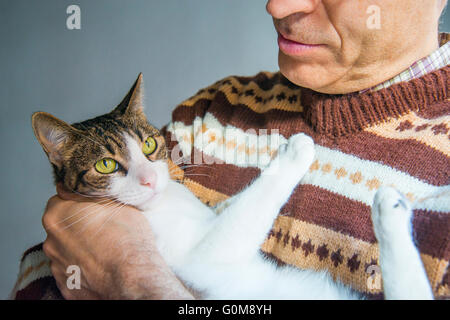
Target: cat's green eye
106, 165
149, 146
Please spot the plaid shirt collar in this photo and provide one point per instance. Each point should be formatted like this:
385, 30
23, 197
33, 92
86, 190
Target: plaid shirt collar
436, 60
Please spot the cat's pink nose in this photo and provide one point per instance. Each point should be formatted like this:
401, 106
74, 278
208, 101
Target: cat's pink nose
148, 179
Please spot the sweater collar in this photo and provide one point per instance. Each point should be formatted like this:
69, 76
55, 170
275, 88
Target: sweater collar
339, 115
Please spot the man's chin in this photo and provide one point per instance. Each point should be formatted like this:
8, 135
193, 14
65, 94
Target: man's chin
306, 75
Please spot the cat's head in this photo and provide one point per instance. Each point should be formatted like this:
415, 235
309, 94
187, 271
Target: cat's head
119, 154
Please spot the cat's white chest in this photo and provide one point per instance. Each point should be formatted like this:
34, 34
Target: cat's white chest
179, 221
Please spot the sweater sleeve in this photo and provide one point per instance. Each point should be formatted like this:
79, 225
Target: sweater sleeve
35, 280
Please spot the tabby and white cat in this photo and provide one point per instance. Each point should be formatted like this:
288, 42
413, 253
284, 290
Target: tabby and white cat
120, 155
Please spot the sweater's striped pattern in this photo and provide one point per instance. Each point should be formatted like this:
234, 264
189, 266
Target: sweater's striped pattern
435, 133
34, 263
358, 179
269, 95
307, 245
326, 223
35, 280
396, 136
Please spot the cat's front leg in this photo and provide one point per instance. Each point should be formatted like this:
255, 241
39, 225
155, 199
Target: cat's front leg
403, 274
242, 227
292, 160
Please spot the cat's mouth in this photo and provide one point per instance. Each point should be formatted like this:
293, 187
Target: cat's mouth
143, 200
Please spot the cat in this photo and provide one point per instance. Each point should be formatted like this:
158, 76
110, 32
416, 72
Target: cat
121, 156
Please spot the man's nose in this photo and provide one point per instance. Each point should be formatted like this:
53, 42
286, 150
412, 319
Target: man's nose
280, 9
148, 179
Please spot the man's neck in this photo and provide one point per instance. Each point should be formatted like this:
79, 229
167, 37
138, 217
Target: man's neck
360, 78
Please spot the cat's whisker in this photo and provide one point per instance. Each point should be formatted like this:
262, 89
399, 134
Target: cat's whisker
97, 216
83, 209
101, 207
176, 177
110, 196
116, 211
93, 212
185, 174
199, 165
132, 198
104, 201
181, 160
196, 174
195, 166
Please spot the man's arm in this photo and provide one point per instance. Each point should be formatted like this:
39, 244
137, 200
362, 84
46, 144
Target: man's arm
115, 251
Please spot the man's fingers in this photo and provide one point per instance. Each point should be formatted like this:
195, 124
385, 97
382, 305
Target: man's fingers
52, 202
48, 218
48, 249
53, 251
60, 276
59, 210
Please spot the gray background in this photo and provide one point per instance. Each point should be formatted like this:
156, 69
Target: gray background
180, 46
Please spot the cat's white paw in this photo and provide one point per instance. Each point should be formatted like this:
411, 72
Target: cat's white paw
293, 158
391, 213
299, 150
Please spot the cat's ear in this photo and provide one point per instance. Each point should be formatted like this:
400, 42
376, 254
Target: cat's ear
52, 134
133, 103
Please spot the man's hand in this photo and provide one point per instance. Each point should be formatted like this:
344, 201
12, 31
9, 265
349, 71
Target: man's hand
112, 244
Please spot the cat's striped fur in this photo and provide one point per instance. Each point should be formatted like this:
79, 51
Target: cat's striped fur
82, 144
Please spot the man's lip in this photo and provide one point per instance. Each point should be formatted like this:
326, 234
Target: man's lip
287, 39
294, 48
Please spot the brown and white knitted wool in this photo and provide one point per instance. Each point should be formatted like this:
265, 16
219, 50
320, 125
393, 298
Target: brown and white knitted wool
396, 136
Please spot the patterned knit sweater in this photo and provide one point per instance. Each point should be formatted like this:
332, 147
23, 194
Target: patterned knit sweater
397, 136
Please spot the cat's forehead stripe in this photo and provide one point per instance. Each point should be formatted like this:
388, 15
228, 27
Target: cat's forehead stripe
138, 132
103, 125
110, 148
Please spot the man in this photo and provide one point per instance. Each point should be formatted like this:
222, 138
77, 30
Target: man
372, 91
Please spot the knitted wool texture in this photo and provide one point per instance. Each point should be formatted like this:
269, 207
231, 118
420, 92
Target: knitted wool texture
398, 136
